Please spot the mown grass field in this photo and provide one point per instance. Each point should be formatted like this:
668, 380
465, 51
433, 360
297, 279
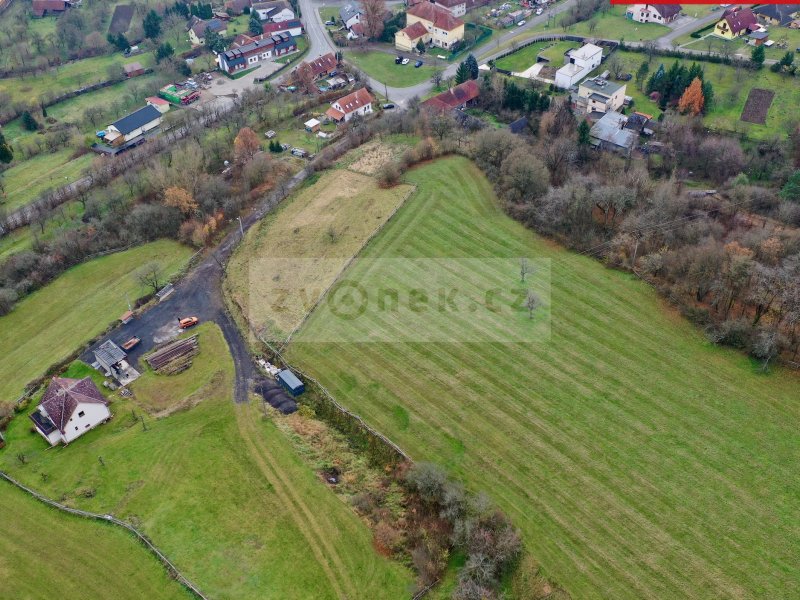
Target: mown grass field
29, 178
55, 320
81, 560
70, 76
639, 460
731, 87
526, 57
324, 225
380, 65
219, 489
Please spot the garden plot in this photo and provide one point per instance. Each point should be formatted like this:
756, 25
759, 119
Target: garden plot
757, 106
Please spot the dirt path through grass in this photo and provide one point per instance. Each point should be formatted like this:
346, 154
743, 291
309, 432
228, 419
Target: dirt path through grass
301, 514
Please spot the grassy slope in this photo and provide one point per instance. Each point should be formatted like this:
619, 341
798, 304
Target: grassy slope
54, 321
220, 490
27, 179
349, 203
380, 65
48, 554
730, 94
639, 460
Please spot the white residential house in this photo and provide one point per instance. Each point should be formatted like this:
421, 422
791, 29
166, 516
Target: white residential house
653, 13
69, 408
277, 11
350, 15
598, 95
134, 125
357, 103
579, 62
457, 8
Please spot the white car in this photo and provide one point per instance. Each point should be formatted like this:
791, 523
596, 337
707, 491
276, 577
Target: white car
405, 61
539, 11
521, 23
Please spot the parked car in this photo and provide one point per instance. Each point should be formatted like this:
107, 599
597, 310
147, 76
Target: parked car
388, 106
187, 322
418, 64
330, 22
131, 343
521, 23
539, 11
406, 61
398, 60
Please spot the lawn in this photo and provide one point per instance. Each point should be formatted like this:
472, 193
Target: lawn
85, 559
29, 178
68, 77
731, 87
219, 489
639, 460
526, 57
323, 226
51, 323
612, 25
380, 66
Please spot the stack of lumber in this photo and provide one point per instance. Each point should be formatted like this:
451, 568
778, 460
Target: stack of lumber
174, 357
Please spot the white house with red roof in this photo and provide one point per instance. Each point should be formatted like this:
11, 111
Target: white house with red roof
357, 103
653, 13
68, 409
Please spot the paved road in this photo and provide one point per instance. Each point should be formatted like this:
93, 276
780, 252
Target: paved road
698, 23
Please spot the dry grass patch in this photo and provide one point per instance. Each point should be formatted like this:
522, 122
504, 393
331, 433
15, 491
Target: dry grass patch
291, 257
373, 157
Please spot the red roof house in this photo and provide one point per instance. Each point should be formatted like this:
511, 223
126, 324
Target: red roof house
736, 21
324, 64
42, 8
458, 97
357, 103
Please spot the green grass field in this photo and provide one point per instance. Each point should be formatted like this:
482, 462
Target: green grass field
526, 57
52, 322
612, 25
639, 460
49, 554
219, 489
380, 65
69, 77
731, 88
29, 178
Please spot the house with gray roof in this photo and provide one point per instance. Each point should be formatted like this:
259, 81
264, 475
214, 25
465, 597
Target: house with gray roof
610, 133
133, 125
350, 15
68, 409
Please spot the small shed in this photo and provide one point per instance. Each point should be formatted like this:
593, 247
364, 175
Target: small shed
312, 125
133, 70
159, 104
109, 356
291, 382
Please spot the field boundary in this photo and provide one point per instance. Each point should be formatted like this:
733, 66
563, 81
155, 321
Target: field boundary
171, 568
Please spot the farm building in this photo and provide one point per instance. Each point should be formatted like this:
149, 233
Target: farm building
461, 96
653, 13
110, 360
579, 62
291, 382
159, 104
133, 70
254, 50
131, 127
178, 94
44, 8
357, 103
276, 11
68, 409
735, 22
610, 133
312, 125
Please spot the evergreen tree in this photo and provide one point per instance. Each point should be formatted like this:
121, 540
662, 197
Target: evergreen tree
182, 9
28, 122
193, 10
255, 25
205, 11
544, 102
44, 111
641, 74
583, 133
472, 64
462, 74
6, 153
757, 57
152, 25
214, 41
165, 50
708, 95
791, 191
